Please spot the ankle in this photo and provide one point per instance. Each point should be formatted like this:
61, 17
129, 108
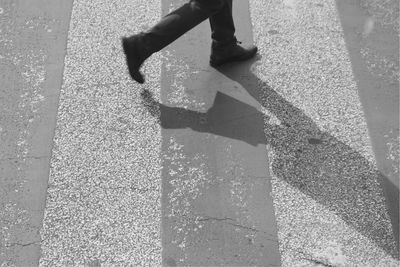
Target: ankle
219, 45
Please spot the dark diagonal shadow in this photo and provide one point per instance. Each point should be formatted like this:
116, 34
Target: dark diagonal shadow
378, 97
318, 164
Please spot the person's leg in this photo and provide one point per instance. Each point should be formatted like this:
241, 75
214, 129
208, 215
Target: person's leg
140, 46
225, 47
178, 22
222, 26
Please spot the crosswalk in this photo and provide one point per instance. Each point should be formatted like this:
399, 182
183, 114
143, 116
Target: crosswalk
265, 163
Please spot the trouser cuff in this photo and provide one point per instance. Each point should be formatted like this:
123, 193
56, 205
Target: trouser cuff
215, 45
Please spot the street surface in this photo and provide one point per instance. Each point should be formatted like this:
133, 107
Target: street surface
288, 159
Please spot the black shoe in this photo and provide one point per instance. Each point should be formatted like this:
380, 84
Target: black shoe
135, 56
231, 53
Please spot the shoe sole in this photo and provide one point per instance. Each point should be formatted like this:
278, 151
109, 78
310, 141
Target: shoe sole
214, 63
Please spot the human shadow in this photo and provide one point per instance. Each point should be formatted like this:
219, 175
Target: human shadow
313, 161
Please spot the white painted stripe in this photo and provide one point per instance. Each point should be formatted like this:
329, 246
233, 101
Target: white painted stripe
103, 203
327, 200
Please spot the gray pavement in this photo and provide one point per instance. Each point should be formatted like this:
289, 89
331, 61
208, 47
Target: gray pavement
217, 208
32, 50
289, 159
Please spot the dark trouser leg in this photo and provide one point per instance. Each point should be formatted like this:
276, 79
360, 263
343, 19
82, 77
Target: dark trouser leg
178, 22
222, 26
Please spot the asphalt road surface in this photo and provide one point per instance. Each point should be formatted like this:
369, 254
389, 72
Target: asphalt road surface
288, 159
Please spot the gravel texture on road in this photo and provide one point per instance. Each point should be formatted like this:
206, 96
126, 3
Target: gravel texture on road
329, 205
103, 202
